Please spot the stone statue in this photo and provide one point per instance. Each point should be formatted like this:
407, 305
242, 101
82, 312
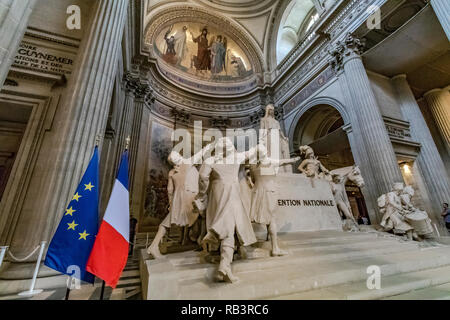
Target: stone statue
271, 127
246, 185
182, 189
394, 214
418, 219
311, 167
264, 199
225, 214
340, 197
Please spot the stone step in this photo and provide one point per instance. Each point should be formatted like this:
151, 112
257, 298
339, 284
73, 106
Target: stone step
10, 287
191, 267
296, 245
441, 292
298, 277
427, 284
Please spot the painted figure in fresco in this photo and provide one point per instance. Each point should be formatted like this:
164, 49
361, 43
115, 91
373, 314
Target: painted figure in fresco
225, 214
264, 198
202, 61
237, 66
170, 54
218, 55
311, 167
181, 44
270, 127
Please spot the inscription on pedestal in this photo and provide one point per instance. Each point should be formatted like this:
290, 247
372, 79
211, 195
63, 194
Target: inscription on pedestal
305, 205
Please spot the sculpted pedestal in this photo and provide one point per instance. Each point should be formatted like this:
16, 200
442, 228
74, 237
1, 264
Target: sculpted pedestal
304, 205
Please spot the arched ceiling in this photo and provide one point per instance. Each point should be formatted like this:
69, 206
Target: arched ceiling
253, 28
292, 23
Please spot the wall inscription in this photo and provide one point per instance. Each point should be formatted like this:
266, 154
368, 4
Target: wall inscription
33, 57
305, 203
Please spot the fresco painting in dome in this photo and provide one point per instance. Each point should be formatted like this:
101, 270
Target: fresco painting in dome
202, 52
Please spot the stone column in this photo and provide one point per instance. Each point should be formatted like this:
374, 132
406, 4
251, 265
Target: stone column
143, 93
429, 160
439, 103
139, 149
14, 17
442, 10
126, 120
379, 149
81, 116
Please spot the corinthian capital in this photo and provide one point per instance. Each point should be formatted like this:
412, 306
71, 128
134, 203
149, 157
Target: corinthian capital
351, 46
131, 82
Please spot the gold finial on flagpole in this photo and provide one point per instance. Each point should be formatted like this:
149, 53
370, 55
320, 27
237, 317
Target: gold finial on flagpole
98, 138
127, 143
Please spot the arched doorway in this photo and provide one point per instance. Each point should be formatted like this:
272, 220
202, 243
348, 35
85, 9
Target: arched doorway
322, 128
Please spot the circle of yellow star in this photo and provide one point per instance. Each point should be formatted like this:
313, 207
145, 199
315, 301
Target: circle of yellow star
84, 235
76, 197
70, 211
89, 186
72, 225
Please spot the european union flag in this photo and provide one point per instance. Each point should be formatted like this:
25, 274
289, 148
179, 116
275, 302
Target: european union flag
72, 243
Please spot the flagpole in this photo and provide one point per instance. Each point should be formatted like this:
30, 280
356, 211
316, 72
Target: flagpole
103, 290
67, 294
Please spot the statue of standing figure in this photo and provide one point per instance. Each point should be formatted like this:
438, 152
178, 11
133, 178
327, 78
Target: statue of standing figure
264, 200
341, 199
182, 189
311, 167
270, 127
226, 216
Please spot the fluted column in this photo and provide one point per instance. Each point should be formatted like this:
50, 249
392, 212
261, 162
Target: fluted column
126, 121
81, 116
379, 149
142, 94
14, 17
429, 160
438, 101
442, 10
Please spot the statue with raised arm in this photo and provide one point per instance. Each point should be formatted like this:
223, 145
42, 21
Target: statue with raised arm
264, 200
341, 199
311, 167
182, 189
270, 127
226, 217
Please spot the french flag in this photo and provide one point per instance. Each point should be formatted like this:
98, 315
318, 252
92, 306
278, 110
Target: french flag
109, 254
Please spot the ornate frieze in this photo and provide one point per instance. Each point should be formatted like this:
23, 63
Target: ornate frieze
309, 90
180, 116
346, 20
174, 96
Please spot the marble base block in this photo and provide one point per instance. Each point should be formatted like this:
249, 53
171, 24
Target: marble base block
305, 204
